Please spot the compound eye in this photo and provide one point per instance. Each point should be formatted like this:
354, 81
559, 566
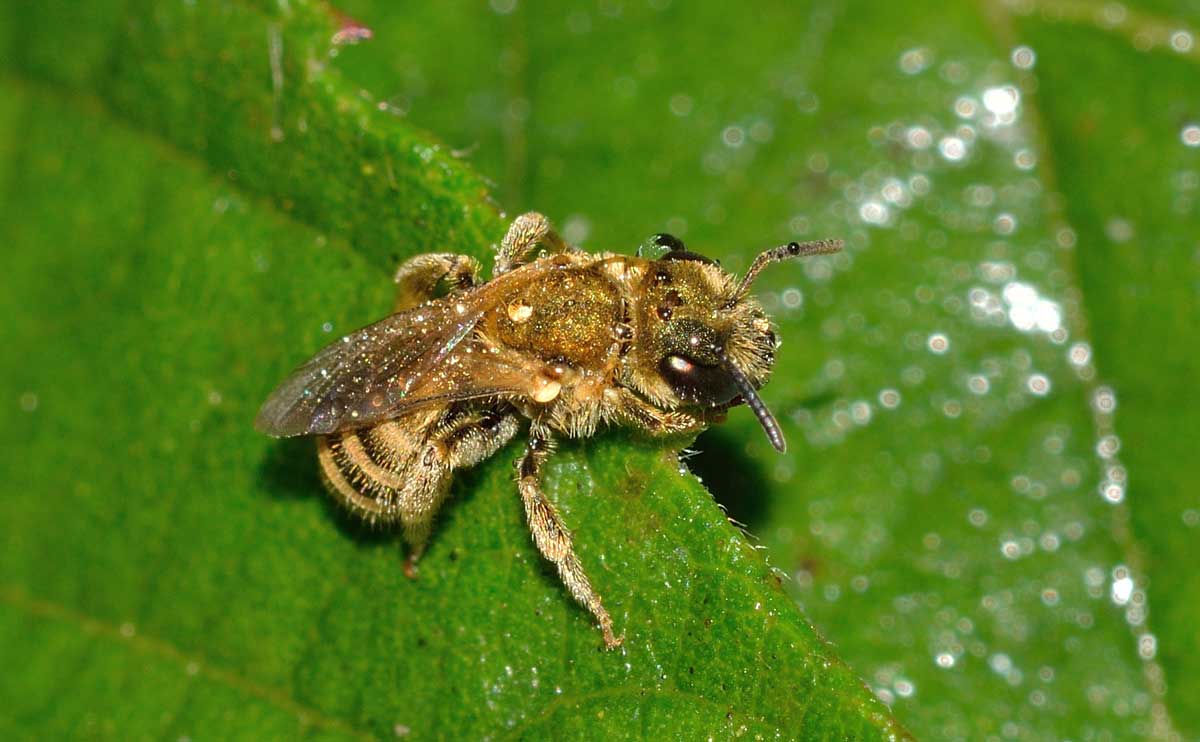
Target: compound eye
697, 383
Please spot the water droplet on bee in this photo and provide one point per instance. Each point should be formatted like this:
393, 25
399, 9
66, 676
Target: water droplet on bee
519, 311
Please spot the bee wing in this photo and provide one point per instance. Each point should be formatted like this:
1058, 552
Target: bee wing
475, 369
362, 376
413, 358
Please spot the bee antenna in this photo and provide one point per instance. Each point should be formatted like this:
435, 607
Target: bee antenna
768, 422
783, 252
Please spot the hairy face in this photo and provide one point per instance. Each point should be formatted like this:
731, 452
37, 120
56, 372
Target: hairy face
695, 336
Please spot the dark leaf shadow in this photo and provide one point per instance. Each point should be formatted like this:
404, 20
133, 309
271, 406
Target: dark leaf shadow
735, 480
289, 472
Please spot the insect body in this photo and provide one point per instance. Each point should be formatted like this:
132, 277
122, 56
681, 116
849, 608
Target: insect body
568, 341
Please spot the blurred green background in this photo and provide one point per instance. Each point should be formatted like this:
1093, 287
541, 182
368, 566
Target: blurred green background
990, 506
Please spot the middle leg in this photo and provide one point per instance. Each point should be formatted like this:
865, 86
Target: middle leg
551, 536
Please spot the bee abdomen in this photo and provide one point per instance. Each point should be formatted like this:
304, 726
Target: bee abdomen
365, 470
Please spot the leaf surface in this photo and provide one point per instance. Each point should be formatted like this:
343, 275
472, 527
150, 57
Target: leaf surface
195, 199
998, 550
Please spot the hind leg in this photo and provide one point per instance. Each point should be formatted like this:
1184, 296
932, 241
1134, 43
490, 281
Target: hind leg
461, 441
399, 471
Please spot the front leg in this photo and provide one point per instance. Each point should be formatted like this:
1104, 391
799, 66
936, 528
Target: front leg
526, 233
639, 413
551, 536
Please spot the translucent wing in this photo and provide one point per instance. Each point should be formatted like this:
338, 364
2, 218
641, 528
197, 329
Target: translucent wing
414, 358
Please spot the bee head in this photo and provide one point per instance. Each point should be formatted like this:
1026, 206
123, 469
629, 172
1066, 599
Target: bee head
704, 340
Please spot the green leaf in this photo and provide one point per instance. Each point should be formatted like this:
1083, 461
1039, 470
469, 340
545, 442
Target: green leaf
196, 198
961, 548
1139, 279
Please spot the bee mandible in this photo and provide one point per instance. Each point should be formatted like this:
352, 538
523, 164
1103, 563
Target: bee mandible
561, 339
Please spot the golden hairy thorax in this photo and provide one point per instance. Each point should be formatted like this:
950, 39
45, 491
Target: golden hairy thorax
565, 316
559, 342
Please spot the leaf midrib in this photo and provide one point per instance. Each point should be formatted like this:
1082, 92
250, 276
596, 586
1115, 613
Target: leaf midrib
1003, 31
139, 642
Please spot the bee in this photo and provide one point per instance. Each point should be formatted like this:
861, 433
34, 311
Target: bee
559, 339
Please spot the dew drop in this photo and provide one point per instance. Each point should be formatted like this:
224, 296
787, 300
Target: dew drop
915, 61
889, 398
1001, 101
1023, 58
1039, 384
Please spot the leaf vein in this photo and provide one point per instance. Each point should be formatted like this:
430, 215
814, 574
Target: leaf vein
19, 599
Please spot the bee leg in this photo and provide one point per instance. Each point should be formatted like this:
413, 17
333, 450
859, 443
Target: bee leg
641, 414
553, 539
524, 235
399, 471
417, 279
463, 440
